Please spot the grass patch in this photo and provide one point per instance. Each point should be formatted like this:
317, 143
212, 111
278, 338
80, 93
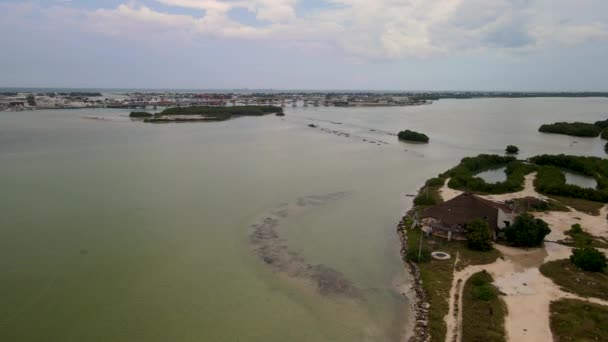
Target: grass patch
580, 238
437, 275
575, 320
429, 195
533, 204
483, 311
582, 205
570, 278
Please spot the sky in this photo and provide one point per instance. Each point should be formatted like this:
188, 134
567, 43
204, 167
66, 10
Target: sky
525, 45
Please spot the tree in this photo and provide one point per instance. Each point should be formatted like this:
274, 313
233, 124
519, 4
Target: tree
512, 149
527, 231
31, 100
478, 235
588, 259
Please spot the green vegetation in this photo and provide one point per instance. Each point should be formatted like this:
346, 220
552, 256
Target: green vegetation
437, 274
478, 235
221, 112
429, 194
463, 175
570, 278
534, 204
602, 124
604, 134
577, 129
580, 238
577, 320
551, 180
512, 149
141, 115
588, 259
527, 231
483, 311
585, 206
408, 135
606, 148
31, 100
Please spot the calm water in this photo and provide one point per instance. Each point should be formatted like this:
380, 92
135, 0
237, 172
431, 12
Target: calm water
494, 175
580, 180
113, 230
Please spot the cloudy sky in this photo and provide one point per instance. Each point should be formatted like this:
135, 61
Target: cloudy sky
306, 44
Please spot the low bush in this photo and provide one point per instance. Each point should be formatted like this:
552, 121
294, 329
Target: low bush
478, 235
512, 149
408, 135
527, 231
588, 259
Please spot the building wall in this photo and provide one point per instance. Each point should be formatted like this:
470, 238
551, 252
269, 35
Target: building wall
502, 217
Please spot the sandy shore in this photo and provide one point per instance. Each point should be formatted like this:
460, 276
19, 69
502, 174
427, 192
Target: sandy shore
528, 293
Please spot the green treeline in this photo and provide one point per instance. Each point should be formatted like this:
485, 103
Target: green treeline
408, 135
551, 180
140, 115
577, 129
463, 176
222, 112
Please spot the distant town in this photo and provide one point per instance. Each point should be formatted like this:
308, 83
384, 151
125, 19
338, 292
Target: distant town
16, 101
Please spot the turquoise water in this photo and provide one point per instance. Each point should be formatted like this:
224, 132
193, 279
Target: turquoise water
113, 230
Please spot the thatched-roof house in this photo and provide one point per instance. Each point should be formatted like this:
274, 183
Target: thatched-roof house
449, 219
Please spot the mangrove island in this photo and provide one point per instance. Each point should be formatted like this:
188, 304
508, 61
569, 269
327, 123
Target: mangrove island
408, 135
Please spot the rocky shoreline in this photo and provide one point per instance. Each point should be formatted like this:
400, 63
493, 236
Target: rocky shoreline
421, 305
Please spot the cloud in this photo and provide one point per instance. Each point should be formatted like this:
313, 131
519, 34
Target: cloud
367, 29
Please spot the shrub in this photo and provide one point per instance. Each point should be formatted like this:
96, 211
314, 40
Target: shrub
408, 135
482, 286
478, 235
577, 129
512, 149
604, 134
576, 228
527, 231
588, 259
606, 148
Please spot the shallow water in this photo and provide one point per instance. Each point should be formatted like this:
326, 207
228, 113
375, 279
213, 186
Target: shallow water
493, 176
580, 180
122, 231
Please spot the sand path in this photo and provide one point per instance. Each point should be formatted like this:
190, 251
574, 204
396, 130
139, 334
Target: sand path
528, 293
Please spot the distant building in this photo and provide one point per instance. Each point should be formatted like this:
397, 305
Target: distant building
449, 219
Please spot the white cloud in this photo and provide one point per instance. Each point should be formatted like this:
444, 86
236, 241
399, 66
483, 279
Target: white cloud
371, 29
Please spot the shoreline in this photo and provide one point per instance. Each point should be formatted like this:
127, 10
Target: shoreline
416, 292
